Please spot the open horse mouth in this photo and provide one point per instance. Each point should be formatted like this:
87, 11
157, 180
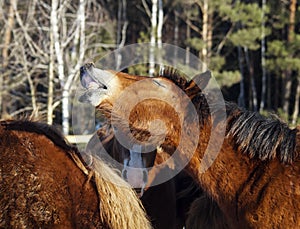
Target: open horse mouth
97, 83
88, 81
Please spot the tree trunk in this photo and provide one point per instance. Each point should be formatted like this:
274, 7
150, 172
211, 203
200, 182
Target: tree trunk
188, 36
291, 36
296, 106
176, 36
121, 30
241, 99
60, 64
153, 37
263, 61
160, 23
288, 72
204, 50
71, 76
253, 93
5, 59
207, 19
50, 81
66, 82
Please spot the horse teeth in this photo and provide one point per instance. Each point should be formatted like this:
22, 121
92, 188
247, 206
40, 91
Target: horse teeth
93, 85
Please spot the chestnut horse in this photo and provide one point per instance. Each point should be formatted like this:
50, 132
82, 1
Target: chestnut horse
44, 183
255, 177
165, 206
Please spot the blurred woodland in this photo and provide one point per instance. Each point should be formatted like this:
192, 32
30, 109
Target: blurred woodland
252, 47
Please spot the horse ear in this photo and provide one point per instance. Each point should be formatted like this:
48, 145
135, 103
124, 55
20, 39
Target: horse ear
198, 83
202, 79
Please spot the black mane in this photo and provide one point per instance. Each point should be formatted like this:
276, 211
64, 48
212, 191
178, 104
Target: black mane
254, 134
40, 128
175, 76
259, 136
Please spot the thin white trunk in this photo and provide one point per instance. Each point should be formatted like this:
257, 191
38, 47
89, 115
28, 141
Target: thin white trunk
160, 23
176, 30
153, 37
263, 60
60, 65
159, 31
5, 53
121, 30
50, 81
71, 76
188, 36
296, 106
57, 45
288, 72
204, 51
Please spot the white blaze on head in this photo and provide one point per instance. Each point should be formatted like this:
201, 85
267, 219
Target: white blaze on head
136, 173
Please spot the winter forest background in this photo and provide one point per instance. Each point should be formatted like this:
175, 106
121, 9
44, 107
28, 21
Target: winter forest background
252, 48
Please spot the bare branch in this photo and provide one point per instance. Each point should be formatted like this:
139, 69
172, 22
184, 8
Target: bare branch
147, 10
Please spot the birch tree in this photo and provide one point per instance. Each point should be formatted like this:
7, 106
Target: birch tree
122, 24
9, 23
263, 60
157, 18
206, 32
78, 36
153, 37
290, 39
160, 23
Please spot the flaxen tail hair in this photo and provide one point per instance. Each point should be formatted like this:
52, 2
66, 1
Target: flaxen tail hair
121, 206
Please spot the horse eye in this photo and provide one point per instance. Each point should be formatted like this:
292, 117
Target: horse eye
159, 83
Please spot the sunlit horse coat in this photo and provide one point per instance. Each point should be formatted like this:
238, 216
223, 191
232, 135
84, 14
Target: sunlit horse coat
255, 177
44, 183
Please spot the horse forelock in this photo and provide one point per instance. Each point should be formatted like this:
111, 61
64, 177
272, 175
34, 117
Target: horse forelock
261, 137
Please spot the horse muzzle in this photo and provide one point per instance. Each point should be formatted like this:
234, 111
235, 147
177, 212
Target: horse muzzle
137, 178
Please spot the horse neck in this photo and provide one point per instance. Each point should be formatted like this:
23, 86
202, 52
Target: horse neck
234, 180
227, 173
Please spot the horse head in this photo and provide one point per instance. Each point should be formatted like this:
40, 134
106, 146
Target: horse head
151, 108
145, 112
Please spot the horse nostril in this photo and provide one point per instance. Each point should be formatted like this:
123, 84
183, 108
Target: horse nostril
145, 176
139, 191
82, 71
84, 68
124, 174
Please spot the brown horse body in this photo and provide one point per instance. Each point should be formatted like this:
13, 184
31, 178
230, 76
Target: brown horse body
255, 177
45, 184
